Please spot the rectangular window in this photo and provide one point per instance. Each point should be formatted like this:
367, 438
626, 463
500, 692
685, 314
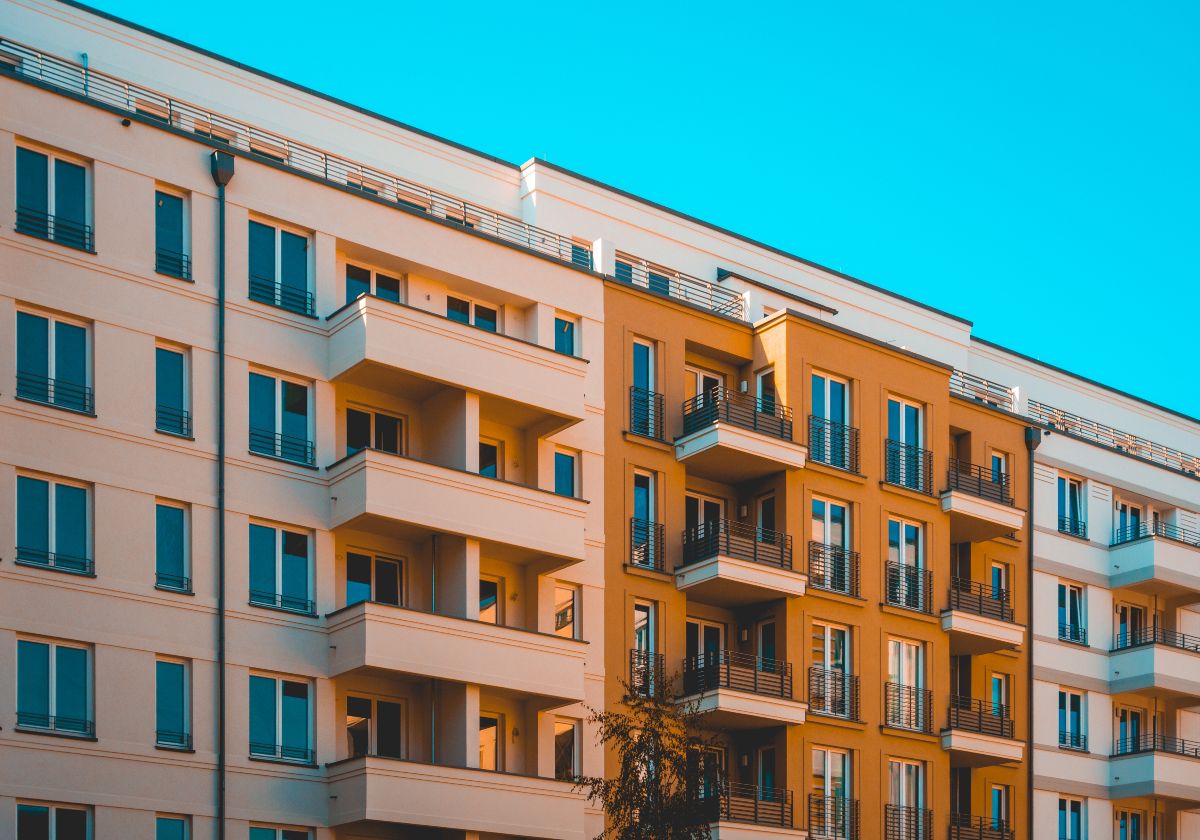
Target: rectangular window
998, 807
280, 719
566, 611
564, 473
645, 405
1072, 720
491, 600
1070, 819
53, 363
373, 430
490, 462
170, 235
832, 564
1070, 507
906, 462
829, 809
377, 579
52, 199
170, 828
373, 727
566, 749
171, 548
54, 687
171, 392
1072, 615
833, 690
363, 281
908, 582
831, 439
260, 832
279, 419
53, 525
645, 676
279, 569
279, 268
51, 822
564, 335
172, 706
471, 312
1129, 824
907, 700
645, 544
491, 742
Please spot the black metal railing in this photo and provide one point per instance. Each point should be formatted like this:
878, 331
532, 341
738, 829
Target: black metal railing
668, 281
715, 669
833, 568
179, 583
1156, 529
832, 692
910, 587
56, 723
287, 447
170, 738
981, 716
1156, 636
282, 752
288, 603
908, 466
55, 561
55, 228
735, 539
1074, 633
1151, 742
906, 823
172, 420
646, 672
1072, 741
758, 414
173, 263
56, 392
833, 443
967, 827
985, 391
753, 804
268, 290
646, 547
908, 707
980, 599
979, 481
833, 817
645, 413
1074, 526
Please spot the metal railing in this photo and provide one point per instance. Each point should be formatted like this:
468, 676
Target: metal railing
287, 447
980, 599
1074, 526
646, 547
56, 392
276, 600
1156, 636
981, 716
833, 568
906, 823
55, 561
910, 587
646, 672
753, 804
833, 444
282, 752
908, 707
176, 740
56, 723
270, 291
908, 466
113, 92
667, 281
1156, 529
173, 263
979, 481
645, 413
833, 817
1123, 442
1074, 633
746, 411
833, 693
1072, 741
715, 669
55, 229
972, 387
735, 539
1151, 742
178, 583
172, 420
967, 827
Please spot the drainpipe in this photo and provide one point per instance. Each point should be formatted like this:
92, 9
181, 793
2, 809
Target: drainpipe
222, 174
1033, 437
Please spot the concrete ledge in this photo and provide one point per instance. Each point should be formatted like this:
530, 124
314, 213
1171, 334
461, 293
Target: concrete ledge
734, 454
976, 634
728, 581
733, 709
983, 749
974, 519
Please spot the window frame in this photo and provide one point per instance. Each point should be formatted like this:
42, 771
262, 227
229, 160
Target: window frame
279, 228
576, 729
89, 200
182, 819
1078, 739
376, 558
310, 703
574, 605
53, 319
375, 699
277, 399
472, 315
185, 390
374, 273
573, 323
373, 414
500, 596
310, 577
51, 687
185, 743
498, 445
185, 539
576, 477
1064, 808
500, 740
185, 222
88, 561
52, 822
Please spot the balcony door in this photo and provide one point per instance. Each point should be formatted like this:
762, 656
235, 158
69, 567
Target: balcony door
767, 395
1070, 612
644, 667
1131, 624
704, 642
644, 546
701, 383
906, 796
831, 789
767, 652
1127, 519
1129, 825
830, 406
831, 528
767, 780
1130, 728
905, 432
831, 656
906, 670
906, 563
643, 408
702, 515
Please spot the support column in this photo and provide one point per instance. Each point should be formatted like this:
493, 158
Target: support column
456, 561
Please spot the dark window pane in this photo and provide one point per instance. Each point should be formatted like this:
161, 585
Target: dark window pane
564, 474
168, 222
358, 282
262, 714
259, 833
387, 434
33, 821
489, 593
293, 260
295, 571
262, 252
564, 336
70, 687
387, 288
358, 578
294, 718
358, 430
564, 752
295, 410
659, 283
488, 460
33, 679
358, 725
169, 549
70, 353
70, 524
169, 828
32, 171
169, 697
70, 824
389, 728
33, 515
262, 412
169, 377
485, 318
458, 310
33, 346
262, 561
70, 194
387, 582
294, 834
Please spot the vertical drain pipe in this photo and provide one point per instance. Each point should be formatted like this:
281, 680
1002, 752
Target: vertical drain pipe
222, 174
1033, 438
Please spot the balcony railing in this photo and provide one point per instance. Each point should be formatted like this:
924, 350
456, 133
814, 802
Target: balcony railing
55, 228
980, 599
172, 420
979, 481
738, 540
905, 823
981, 716
716, 669
833, 568
737, 409
1074, 526
282, 752
56, 392
982, 390
57, 723
908, 466
1157, 743
1073, 633
967, 827
270, 291
287, 603
833, 817
910, 587
832, 692
646, 672
1156, 636
646, 544
750, 804
287, 447
1156, 529
55, 561
173, 263
908, 707
178, 583
645, 413
174, 740
114, 92
667, 281
1072, 741
833, 443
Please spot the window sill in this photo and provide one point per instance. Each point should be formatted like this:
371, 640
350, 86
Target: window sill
837, 720
51, 240
286, 762
647, 572
284, 610
904, 732
1074, 536
1075, 642
67, 409
1080, 750
909, 492
310, 316
908, 612
61, 571
833, 469
174, 749
646, 440
174, 276
53, 733
281, 460
836, 595
169, 433
174, 589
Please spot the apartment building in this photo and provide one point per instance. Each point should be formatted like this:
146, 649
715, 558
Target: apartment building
348, 468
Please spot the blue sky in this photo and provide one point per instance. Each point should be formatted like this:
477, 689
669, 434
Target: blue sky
1032, 167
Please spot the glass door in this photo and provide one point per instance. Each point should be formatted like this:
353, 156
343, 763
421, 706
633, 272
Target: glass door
766, 661
830, 436
701, 385
644, 668
704, 646
905, 574
1129, 729
906, 672
906, 797
905, 465
767, 788
830, 529
702, 515
1128, 520
643, 407
831, 788
830, 689
1131, 625
767, 399
643, 548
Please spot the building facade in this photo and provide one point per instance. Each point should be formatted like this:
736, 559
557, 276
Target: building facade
347, 469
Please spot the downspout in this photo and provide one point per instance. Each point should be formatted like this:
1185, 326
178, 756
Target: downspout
222, 174
1033, 437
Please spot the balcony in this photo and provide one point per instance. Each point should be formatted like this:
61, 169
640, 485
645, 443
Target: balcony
64, 231
734, 437
979, 502
908, 707
400, 497
389, 790
1156, 662
728, 563
833, 818
904, 823
909, 587
645, 413
833, 693
980, 619
56, 392
1074, 741
1157, 559
908, 466
833, 444
388, 346
751, 805
967, 827
1156, 765
396, 639
741, 690
980, 733
832, 568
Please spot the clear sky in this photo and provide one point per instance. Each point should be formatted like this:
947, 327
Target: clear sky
1033, 167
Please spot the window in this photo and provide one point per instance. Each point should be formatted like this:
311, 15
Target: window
831, 439
490, 461
768, 397
259, 832
491, 742
1070, 819
999, 796
645, 547
906, 798
645, 676
52, 362
378, 579
1129, 824
363, 281
566, 749
564, 335
51, 822
999, 467
906, 462
1130, 729
491, 600
279, 568
170, 828
565, 473
373, 727
999, 694
172, 712
831, 564
170, 235
279, 419
53, 525
702, 516
1127, 521
998, 573
54, 687
566, 611
907, 701
1131, 626
1072, 616
171, 413
907, 578
52, 199
280, 719
829, 811
645, 406
832, 688
1072, 722
279, 268
1070, 507
171, 547
485, 317
373, 430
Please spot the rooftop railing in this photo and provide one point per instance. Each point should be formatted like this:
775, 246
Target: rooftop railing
972, 387
667, 281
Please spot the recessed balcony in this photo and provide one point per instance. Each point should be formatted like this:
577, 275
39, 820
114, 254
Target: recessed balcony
980, 503
741, 811
388, 790
1157, 559
1156, 662
731, 564
741, 690
733, 437
980, 619
1156, 765
980, 733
